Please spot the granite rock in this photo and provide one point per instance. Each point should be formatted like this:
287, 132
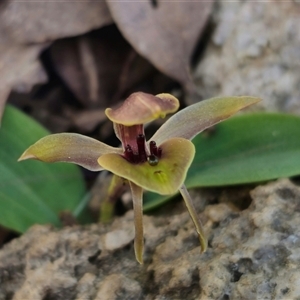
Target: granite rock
254, 50
252, 254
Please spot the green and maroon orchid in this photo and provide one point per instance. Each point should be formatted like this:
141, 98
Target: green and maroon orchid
159, 165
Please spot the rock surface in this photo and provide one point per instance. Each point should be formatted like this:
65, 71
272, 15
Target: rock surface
254, 50
253, 254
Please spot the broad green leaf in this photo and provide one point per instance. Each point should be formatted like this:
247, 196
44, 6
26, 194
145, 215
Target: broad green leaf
244, 149
31, 191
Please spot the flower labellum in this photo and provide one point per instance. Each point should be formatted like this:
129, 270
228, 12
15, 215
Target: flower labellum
159, 165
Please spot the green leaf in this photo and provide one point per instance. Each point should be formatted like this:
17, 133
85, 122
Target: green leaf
31, 191
244, 149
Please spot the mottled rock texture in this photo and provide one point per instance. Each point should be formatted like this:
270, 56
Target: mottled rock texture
254, 50
253, 254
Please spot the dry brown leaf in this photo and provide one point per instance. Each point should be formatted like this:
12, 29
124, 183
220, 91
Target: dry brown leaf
27, 27
87, 120
19, 69
165, 34
44, 20
99, 66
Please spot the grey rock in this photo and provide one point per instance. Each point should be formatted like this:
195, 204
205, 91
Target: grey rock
254, 50
118, 239
253, 254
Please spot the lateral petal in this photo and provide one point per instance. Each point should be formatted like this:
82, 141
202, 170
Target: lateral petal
195, 118
137, 199
164, 178
69, 147
193, 213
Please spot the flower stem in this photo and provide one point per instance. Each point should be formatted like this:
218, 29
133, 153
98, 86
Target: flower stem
190, 206
137, 199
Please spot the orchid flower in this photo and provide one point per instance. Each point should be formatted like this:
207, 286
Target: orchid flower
159, 165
